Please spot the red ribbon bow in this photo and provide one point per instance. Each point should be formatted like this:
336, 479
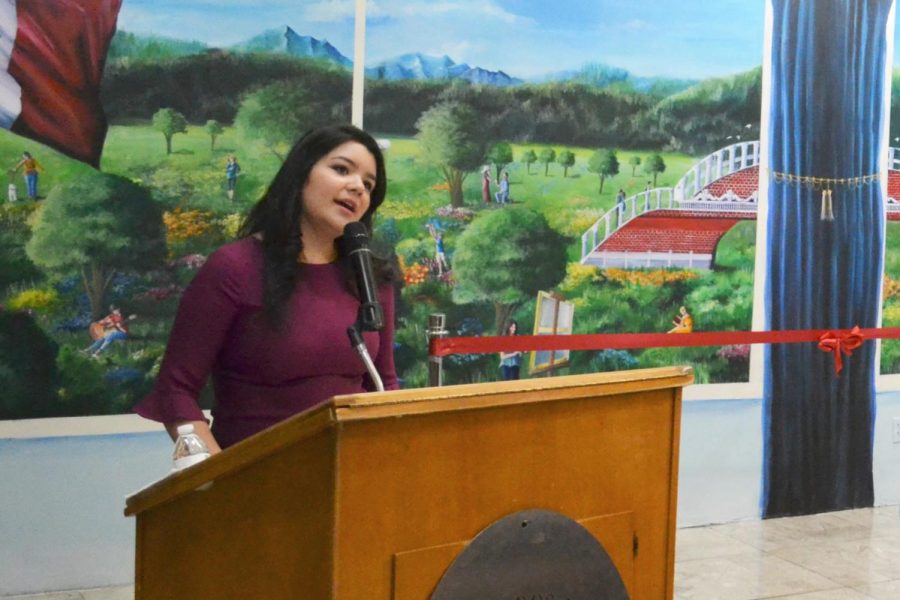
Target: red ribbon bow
840, 342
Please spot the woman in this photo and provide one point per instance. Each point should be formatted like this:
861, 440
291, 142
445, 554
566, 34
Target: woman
486, 185
683, 322
267, 315
510, 361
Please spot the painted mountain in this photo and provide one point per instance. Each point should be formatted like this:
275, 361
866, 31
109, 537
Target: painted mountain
287, 41
421, 66
599, 75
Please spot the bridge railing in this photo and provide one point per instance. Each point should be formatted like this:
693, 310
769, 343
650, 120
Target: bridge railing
620, 215
725, 161
660, 199
724, 203
894, 159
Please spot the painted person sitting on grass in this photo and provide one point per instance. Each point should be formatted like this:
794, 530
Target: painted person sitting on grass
684, 322
107, 330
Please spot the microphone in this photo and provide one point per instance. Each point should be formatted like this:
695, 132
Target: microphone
354, 246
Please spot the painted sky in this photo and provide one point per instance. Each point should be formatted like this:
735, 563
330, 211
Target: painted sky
524, 38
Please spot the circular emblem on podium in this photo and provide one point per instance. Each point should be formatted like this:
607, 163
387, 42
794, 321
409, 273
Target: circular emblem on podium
532, 555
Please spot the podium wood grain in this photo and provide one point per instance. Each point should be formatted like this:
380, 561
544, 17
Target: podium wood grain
373, 496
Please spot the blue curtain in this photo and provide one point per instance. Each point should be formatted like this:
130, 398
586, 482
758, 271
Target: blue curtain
828, 60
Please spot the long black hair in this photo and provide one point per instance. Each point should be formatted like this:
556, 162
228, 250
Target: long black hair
276, 217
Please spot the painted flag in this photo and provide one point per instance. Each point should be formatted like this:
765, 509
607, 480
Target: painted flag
52, 54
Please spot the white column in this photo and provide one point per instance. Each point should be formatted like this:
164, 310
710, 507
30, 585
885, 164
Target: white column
359, 65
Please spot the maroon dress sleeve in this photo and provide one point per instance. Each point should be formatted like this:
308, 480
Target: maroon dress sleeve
204, 317
384, 362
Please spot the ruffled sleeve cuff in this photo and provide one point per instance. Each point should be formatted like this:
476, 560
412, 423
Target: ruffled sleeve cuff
169, 408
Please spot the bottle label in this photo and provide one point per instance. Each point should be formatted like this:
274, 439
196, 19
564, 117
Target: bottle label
189, 460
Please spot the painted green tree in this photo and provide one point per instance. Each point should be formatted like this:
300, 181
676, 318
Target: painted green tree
654, 166
214, 129
453, 141
604, 163
95, 226
547, 156
500, 155
505, 257
28, 374
567, 161
635, 162
278, 114
169, 121
529, 158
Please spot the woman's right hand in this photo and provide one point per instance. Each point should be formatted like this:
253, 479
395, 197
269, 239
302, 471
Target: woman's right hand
201, 428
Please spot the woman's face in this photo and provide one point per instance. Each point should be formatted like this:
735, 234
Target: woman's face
337, 192
512, 328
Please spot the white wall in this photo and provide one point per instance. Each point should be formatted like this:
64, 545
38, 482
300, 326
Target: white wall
61, 508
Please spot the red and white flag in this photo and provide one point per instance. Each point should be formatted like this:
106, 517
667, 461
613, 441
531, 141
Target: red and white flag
52, 54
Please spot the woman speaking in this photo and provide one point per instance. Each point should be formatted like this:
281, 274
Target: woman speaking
267, 316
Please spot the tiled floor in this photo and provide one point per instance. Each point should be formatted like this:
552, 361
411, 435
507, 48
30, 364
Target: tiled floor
849, 555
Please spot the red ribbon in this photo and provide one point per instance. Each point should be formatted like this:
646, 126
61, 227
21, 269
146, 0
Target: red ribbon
845, 340
839, 342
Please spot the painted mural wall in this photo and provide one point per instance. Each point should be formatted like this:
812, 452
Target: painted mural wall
579, 133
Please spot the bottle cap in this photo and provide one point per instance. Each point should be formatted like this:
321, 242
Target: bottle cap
185, 429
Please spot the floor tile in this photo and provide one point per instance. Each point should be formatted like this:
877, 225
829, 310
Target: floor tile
706, 542
838, 594
74, 595
110, 593
885, 590
744, 577
851, 564
772, 535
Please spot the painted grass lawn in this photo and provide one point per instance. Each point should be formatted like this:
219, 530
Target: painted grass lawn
571, 204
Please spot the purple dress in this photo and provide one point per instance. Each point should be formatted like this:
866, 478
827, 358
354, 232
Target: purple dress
261, 376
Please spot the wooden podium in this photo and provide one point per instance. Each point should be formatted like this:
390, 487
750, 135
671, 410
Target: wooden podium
372, 496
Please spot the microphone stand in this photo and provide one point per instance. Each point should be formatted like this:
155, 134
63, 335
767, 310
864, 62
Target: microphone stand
356, 340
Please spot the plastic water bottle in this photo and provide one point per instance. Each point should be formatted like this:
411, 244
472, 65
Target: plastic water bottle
189, 448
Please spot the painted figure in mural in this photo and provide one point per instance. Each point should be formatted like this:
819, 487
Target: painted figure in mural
502, 196
267, 316
620, 204
510, 362
232, 170
486, 184
440, 256
107, 330
683, 322
12, 193
30, 166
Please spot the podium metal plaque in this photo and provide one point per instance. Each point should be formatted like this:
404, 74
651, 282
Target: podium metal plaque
532, 555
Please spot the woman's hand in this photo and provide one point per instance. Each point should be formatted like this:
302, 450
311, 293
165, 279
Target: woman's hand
201, 428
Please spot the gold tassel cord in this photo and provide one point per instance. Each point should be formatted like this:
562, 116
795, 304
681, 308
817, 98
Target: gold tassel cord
827, 208
826, 184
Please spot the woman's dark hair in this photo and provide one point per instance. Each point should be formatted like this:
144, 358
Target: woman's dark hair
276, 217
509, 324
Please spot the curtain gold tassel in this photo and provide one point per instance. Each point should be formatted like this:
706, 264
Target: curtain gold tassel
827, 208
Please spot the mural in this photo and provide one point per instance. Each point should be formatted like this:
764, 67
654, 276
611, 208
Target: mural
628, 133
605, 153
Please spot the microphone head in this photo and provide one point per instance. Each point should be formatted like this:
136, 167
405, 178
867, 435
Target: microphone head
356, 237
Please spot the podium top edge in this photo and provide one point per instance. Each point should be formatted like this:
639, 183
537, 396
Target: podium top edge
497, 393
397, 403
